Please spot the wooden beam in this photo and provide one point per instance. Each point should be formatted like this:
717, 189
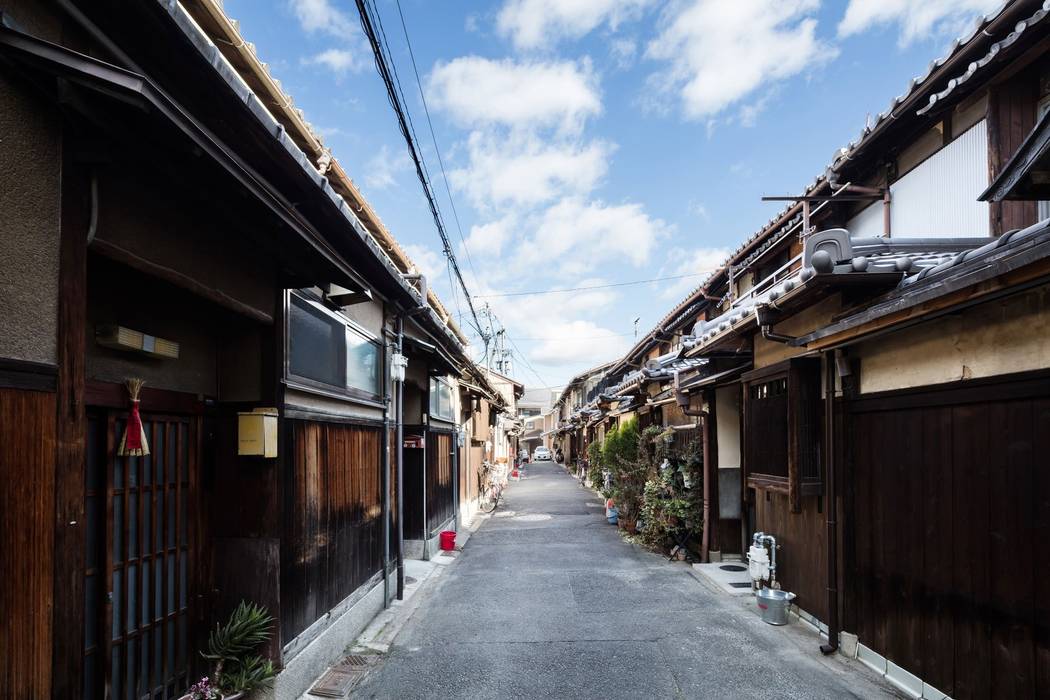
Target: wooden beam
70, 436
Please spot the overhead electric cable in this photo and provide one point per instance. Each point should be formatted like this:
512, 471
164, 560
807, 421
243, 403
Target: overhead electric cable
433, 138
595, 286
407, 133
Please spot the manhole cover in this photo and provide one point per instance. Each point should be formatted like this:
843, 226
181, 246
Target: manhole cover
532, 518
732, 567
409, 581
740, 584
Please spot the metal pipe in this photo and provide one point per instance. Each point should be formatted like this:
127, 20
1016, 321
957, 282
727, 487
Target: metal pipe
831, 509
886, 211
400, 417
385, 461
705, 537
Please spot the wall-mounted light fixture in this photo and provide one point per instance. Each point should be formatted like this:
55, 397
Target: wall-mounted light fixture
121, 338
398, 365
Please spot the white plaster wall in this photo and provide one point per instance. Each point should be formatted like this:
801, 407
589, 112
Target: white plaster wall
727, 415
999, 337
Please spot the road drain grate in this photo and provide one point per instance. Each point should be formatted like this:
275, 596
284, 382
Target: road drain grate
740, 584
335, 684
341, 678
732, 567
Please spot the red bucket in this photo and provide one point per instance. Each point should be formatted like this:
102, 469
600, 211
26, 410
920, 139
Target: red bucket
448, 540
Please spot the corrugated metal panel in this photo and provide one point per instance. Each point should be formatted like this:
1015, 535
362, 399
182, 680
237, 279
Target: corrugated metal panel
939, 197
867, 222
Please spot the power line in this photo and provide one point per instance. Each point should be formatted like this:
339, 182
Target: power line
433, 138
407, 131
578, 337
595, 286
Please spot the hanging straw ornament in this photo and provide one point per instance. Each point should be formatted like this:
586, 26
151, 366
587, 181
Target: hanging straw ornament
133, 443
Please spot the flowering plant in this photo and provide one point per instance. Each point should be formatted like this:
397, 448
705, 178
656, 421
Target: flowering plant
204, 690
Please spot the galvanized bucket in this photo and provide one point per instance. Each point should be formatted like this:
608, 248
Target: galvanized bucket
774, 605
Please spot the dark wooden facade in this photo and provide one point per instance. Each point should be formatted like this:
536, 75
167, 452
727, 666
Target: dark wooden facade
27, 497
332, 537
946, 577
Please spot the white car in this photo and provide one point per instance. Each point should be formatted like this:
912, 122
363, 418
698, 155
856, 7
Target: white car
541, 454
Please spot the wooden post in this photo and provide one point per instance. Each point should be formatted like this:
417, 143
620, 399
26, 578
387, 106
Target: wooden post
70, 435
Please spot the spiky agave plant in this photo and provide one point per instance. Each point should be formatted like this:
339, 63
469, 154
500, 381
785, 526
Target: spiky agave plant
232, 646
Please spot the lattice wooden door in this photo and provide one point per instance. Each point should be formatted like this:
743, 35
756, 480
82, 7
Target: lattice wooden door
139, 584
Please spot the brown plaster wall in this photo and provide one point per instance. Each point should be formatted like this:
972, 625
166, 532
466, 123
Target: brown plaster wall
998, 337
30, 199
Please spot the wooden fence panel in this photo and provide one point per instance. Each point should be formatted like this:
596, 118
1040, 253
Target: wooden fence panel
333, 520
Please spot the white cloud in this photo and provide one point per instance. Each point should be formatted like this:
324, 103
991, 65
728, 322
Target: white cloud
698, 261
582, 234
477, 91
539, 23
917, 19
523, 169
574, 342
488, 239
427, 260
321, 16
623, 52
382, 169
339, 61
720, 52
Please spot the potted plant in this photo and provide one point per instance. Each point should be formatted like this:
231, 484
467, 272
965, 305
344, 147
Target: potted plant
232, 647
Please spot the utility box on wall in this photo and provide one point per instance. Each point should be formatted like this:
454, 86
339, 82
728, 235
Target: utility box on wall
257, 433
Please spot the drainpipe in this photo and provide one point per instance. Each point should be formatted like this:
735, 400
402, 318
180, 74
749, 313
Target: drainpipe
831, 507
385, 461
765, 325
705, 539
399, 436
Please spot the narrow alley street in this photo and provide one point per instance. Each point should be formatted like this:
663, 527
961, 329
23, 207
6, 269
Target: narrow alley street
547, 601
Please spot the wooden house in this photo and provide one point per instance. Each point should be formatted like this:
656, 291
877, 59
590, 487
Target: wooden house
169, 218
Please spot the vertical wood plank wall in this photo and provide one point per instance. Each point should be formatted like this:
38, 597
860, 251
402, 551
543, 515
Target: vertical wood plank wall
1011, 116
27, 454
951, 513
802, 559
333, 536
440, 505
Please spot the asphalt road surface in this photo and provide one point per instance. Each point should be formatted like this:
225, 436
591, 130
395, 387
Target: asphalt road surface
547, 601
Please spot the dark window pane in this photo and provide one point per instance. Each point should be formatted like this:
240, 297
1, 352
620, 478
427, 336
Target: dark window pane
171, 518
131, 657
316, 344
171, 466
133, 525
146, 613
182, 579
171, 584
147, 460
114, 670
184, 436
362, 363
158, 583
132, 597
158, 454
118, 589
118, 462
118, 528
90, 676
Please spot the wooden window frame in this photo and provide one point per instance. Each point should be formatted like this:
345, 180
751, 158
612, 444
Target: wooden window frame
804, 416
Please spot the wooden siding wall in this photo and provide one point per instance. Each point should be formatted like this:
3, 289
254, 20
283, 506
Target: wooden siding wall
440, 504
333, 537
1011, 116
27, 509
802, 558
949, 575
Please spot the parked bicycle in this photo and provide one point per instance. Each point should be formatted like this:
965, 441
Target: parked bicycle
492, 479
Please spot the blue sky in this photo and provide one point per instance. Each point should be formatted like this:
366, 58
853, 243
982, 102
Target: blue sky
590, 142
